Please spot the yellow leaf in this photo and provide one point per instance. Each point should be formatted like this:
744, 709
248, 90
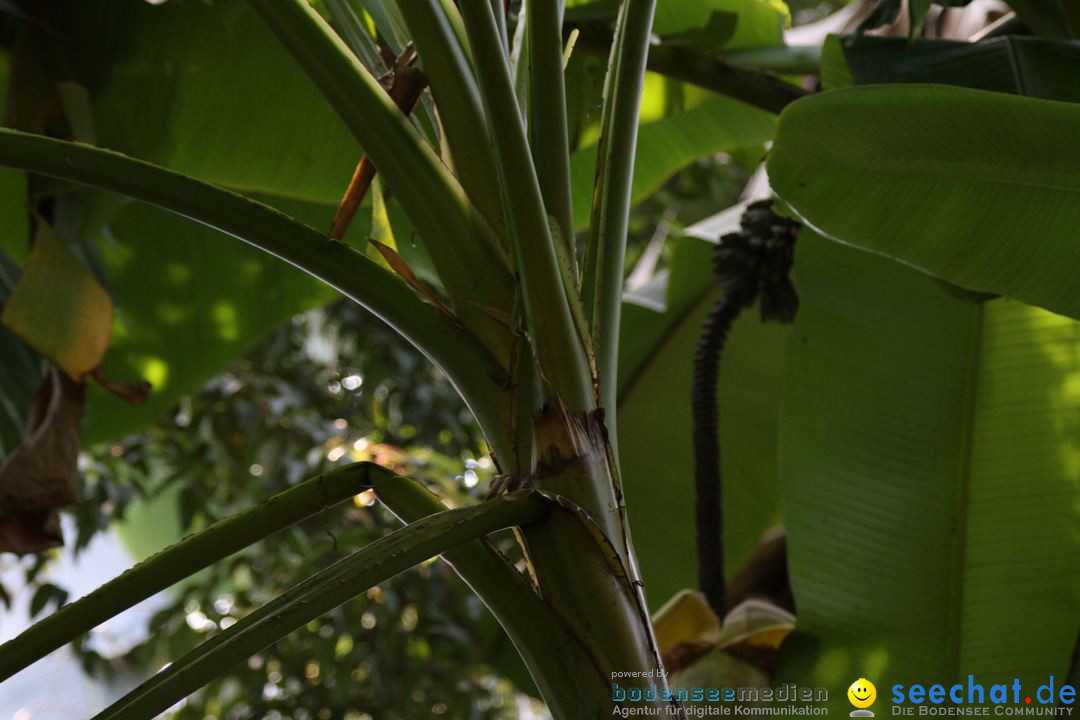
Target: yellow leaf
59, 308
686, 618
756, 622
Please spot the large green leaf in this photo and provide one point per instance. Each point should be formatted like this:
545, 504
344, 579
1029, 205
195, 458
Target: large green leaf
191, 301
660, 330
1051, 18
978, 188
1020, 65
930, 473
204, 89
15, 239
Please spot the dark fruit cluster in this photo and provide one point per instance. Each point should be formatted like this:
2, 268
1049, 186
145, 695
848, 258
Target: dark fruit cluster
750, 264
756, 261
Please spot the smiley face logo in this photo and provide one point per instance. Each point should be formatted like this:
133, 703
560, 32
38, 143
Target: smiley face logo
862, 693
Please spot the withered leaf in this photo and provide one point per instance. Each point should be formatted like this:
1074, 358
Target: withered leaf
41, 475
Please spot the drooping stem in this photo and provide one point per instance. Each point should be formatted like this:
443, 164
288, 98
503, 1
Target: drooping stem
785, 60
708, 490
184, 559
754, 262
477, 375
321, 593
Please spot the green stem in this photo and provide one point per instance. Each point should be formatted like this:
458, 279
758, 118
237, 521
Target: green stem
584, 572
184, 559
753, 87
606, 252
786, 60
453, 16
498, 13
547, 114
732, 74
573, 679
461, 109
526, 397
321, 593
558, 347
462, 244
477, 375
354, 33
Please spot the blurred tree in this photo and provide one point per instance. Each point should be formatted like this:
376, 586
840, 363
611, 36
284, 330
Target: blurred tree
297, 405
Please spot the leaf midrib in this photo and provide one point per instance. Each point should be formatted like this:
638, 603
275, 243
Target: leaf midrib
958, 551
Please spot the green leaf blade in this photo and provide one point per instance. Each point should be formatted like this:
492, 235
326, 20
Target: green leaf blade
926, 494
1035, 67
977, 188
170, 300
200, 89
336, 264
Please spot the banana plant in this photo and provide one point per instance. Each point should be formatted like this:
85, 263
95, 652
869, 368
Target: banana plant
918, 382
524, 325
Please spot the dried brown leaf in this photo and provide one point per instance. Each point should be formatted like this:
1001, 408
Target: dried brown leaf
41, 475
